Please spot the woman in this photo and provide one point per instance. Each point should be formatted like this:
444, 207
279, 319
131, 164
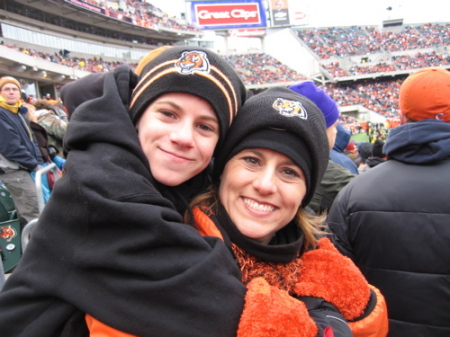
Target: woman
110, 243
275, 155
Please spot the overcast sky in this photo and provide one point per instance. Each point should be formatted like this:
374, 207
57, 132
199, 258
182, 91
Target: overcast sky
353, 12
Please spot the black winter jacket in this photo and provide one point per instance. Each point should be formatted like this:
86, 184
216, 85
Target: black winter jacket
109, 244
394, 222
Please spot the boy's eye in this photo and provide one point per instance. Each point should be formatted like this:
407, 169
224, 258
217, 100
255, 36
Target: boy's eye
167, 113
205, 127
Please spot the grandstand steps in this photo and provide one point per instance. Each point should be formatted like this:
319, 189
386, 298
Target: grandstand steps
284, 45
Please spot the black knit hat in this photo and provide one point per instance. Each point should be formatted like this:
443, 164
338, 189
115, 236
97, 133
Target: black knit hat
283, 121
377, 149
191, 70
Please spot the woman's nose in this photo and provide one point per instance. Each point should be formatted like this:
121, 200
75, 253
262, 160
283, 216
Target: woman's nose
265, 182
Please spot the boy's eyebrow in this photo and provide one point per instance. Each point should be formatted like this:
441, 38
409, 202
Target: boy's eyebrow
179, 107
168, 102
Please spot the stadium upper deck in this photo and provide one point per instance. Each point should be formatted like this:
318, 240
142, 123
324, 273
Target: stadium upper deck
342, 54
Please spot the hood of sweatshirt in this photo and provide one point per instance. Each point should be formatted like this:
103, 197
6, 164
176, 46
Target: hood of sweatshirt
422, 142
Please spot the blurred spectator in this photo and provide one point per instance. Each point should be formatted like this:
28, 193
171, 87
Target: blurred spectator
54, 125
337, 154
364, 152
377, 156
336, 176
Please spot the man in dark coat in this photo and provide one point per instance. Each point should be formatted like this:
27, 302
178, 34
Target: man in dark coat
394, 220
19, 153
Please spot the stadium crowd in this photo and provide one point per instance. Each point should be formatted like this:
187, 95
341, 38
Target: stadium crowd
344, 42
262, 69
333, 42
141, 13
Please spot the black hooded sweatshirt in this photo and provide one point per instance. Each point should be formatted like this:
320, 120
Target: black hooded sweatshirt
112, 244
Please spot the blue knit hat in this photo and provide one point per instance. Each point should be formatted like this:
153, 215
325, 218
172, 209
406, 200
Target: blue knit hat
323, 101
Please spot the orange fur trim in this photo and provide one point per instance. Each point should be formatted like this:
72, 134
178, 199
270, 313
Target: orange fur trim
269, 311
328, 274
376, 324
281, 275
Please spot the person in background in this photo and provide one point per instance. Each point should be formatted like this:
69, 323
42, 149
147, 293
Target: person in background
338, 154
298, 284
351, 151
48, 179
377, 156
55, 126
19, 152
49, 98
111, 245
336, 176
40, 134
393, 220
364, 152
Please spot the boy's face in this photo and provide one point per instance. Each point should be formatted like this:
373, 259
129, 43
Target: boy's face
178, 133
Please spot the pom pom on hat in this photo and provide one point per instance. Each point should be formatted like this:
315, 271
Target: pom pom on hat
323, 101
426, 94
191, 70
9, 79
281, 120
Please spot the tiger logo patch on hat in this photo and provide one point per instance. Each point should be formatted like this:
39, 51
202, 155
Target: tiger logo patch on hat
290, 108
191, 62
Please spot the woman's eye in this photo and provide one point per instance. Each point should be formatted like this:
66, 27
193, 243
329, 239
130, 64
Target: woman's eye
251, 160
291, 173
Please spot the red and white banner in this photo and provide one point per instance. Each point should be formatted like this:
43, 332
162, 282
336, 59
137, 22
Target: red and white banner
227, 14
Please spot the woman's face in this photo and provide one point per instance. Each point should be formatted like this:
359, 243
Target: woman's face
261, 191
178, 133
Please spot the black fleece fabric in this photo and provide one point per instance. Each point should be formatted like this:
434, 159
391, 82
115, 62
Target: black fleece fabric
109, 244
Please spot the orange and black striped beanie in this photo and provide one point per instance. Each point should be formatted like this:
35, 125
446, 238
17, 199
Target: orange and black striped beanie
191, 70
